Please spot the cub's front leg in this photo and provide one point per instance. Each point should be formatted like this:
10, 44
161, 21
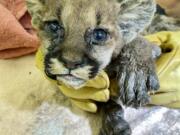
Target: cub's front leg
135, 72
113, 122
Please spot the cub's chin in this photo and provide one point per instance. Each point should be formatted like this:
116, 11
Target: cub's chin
71, 81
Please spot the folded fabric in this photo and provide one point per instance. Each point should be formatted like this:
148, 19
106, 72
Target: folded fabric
17, 36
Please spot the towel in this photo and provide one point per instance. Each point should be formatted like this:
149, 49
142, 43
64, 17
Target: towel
17, 35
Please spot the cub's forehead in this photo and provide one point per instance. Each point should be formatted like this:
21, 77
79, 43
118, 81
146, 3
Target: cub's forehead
78, 11
79, 4
87, 11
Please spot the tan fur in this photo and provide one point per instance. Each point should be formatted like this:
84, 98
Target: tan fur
123, 19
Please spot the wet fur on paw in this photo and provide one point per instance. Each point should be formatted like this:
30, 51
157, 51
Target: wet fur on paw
134, 70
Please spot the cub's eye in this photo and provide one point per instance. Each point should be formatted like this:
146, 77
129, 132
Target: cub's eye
96, 36
53, 26
100, 35
55, 30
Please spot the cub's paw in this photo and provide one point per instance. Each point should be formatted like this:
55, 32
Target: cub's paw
136, 72
134, 85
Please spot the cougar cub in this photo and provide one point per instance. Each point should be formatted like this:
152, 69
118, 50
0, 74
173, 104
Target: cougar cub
82, 37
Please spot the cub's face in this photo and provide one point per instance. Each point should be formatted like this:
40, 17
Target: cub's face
79, 37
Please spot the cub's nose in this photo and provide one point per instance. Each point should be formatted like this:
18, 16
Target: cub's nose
71, 64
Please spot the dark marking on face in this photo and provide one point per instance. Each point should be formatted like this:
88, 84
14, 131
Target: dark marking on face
47, 62
86, 61
95, 66
94, 70
98, 18
58, 12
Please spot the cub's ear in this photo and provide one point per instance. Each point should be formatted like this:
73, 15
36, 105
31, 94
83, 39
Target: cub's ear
134, 16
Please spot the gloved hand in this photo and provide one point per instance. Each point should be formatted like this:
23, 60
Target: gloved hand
168, 69
96, 90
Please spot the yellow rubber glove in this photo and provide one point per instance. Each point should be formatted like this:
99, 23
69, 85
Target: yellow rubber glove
96, 90
168, 68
